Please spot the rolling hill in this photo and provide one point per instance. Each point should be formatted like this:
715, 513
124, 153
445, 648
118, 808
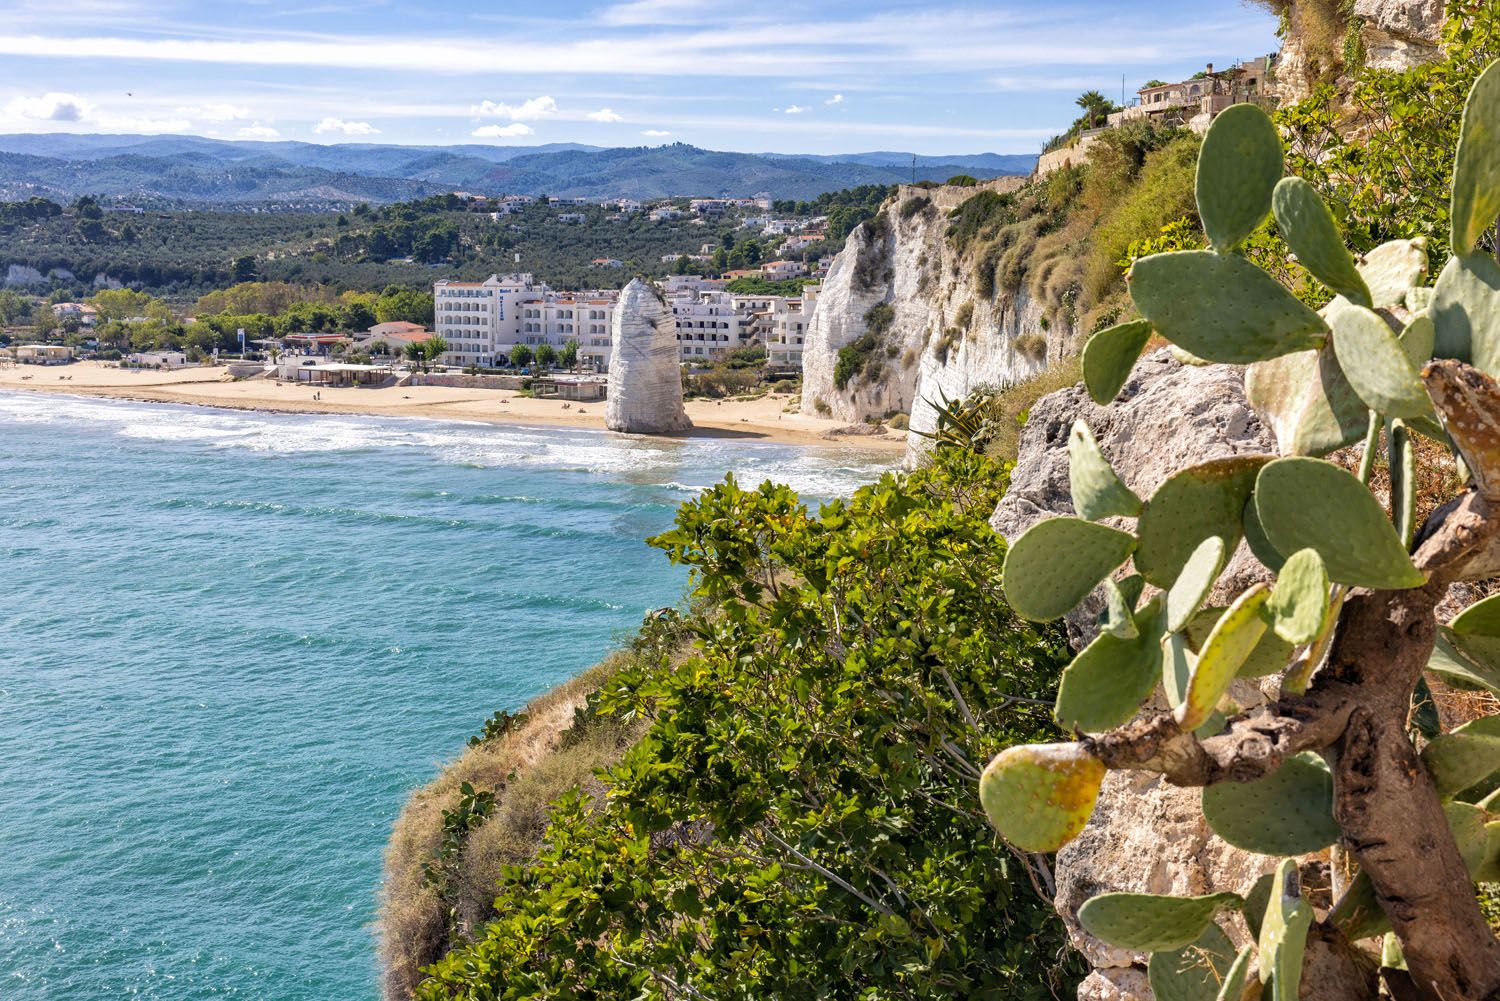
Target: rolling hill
196, 171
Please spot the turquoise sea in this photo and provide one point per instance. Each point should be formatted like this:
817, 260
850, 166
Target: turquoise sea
231, 642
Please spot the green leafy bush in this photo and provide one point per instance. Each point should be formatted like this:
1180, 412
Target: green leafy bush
796, 821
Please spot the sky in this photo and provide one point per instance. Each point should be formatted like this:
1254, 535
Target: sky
783, 76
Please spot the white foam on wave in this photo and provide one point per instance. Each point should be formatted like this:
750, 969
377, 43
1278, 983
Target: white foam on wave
676, 465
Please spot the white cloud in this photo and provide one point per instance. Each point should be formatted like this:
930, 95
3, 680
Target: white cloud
214, 112
527, 111
604, 115
651, 11
657, 133
835, 99
795, 109
258, 131
347, 128
50, 107
503, 131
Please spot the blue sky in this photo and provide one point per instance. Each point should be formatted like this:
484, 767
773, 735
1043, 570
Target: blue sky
775, 75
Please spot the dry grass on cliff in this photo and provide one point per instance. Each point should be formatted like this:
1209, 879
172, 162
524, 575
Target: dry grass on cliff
1011, 404
527, 770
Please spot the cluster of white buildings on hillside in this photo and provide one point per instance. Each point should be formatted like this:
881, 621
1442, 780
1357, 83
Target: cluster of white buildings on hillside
1195, 102
483, 321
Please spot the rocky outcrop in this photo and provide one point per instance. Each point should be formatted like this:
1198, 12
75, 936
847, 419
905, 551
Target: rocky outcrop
905, 308
1145, 836
1167, 417
1399, 34
645, 374
1394, 34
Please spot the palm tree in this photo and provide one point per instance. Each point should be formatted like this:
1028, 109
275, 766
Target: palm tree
1092, 102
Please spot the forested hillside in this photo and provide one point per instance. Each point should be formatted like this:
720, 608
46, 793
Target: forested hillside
182, 254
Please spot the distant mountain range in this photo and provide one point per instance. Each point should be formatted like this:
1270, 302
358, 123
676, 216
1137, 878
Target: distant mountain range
191, 170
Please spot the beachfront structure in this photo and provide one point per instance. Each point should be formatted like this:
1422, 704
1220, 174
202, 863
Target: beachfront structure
44, 354
157, 359
483, 321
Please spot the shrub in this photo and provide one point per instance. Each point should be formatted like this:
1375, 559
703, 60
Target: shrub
796, 821
912, 206
979, 217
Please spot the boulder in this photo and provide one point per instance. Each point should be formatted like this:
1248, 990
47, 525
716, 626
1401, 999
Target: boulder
1167, 417
645, 373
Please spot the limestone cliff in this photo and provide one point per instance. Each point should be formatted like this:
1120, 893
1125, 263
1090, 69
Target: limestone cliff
645, 374
907, 315
1321, 38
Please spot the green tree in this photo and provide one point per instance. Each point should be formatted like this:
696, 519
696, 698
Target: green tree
546, 355
520, 356
243, 268
410, 305
568, 356
1094, 105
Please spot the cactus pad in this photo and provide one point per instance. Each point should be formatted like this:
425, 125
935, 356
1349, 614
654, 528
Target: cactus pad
1466, 822
1056, 563
1289, 812
1283, 934
1109, 356
1464, 757
1221, 307
1270, 655
1476, 168
1039, 796
1191, 505
1462, 667
1222, 655
1149, 923
1308, 228
1480, 619
1298, 604
1255, 538
1238, 168
1307, 401
1109, 679
1465, 311
1312, 504
1393, 270
1193, 584
1194, 972
1233, 988
1098, 491
1358, 914
1418, 339
1376, 363
1118, 617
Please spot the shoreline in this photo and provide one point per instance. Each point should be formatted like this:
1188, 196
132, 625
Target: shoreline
759, 420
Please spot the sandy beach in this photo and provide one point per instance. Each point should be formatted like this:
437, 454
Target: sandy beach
762, 419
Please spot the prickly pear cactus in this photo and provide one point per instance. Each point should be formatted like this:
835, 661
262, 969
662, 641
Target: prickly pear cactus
1348, 622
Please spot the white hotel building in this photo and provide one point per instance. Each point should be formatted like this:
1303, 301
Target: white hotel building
483, 321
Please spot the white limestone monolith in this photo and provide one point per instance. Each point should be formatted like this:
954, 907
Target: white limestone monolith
645, 374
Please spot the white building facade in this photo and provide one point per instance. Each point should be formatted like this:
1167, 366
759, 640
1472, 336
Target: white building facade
483, 321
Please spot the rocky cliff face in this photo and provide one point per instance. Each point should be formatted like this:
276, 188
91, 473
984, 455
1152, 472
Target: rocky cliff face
905, 317
1394, 35
645, 374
